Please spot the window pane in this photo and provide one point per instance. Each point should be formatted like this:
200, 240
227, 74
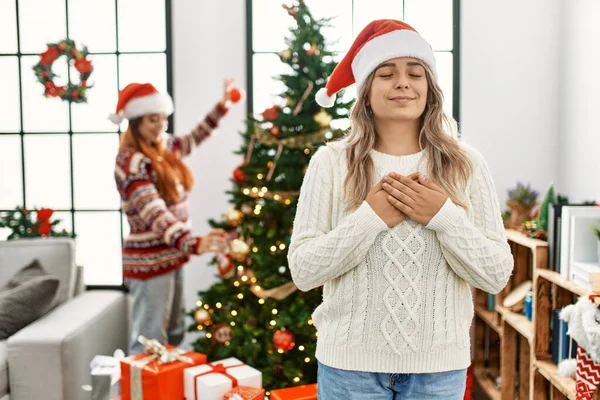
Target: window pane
41, 114
99, 230
9, 95
8, 26
150, 68
270, 25
267, 87
339, 36
92, 23
142, 25
93, 171
102, 98
11, 176
366, 11
126, 227
433, 20
66, 223
47, 171
445, 72
40, 23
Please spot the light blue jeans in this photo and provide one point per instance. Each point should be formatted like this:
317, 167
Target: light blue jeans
338, 384
158, 311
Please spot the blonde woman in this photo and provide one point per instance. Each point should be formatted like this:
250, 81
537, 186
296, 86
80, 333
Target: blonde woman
396, 222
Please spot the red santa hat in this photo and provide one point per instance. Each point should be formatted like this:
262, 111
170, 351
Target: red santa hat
379, 41
137, 99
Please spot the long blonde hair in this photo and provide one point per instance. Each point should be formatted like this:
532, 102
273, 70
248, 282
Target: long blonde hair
169, 168
447, 163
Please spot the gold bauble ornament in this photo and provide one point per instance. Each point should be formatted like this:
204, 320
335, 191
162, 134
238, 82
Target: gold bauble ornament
202, 317
234, 217
323, 119
239, 249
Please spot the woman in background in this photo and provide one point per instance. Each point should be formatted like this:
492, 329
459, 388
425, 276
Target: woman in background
154, 184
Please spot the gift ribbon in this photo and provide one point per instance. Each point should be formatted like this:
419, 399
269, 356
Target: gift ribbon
216, 369
156, 352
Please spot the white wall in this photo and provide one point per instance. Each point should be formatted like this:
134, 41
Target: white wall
209, 42
579, 143
510, 88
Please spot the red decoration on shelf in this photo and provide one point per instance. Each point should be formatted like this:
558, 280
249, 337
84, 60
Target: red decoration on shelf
284, 340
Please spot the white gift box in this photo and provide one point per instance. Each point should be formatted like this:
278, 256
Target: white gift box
205, 382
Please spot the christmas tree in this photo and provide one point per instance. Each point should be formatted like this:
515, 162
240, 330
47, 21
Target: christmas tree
255, 312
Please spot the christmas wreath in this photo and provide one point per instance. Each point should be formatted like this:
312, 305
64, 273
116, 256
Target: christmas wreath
77, 58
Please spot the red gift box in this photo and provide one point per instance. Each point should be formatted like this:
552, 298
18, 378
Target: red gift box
245, 393
304, 392
156, 375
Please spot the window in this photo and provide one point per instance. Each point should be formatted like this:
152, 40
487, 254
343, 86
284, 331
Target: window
62, 155
436, 20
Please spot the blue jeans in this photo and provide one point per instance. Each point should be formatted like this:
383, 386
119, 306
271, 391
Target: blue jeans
158, 311
338, 384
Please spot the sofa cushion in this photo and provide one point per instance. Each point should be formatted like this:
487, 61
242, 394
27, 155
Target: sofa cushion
3, 369
27, 296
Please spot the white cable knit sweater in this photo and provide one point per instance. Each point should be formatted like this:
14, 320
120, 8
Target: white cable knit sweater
395, 300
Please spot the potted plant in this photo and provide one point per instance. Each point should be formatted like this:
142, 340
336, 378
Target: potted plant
521, 200
597, 232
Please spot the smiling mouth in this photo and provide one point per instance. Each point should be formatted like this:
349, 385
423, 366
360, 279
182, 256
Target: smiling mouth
402, 99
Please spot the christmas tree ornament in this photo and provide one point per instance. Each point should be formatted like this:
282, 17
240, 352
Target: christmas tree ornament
307, 91
225, 265
234, 217
239, 176
237, 95
285, 55
239, 249
202, 317
323, 118
313, 51
275, 131
77, 58
271, 113
283, 340
221, 333
272, 168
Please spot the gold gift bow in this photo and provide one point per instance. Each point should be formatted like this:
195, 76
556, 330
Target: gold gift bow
156, 351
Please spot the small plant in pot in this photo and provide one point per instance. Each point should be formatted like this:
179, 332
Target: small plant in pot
521, 201
597, 232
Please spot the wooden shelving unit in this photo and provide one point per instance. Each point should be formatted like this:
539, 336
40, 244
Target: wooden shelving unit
512, 354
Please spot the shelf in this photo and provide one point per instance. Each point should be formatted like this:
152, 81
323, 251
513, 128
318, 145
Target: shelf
550, 371
490, 318
561, 281
520, 238
487, 383
518, 321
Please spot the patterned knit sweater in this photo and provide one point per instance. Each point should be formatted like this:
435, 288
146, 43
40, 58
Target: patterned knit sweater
395, 300
160, 239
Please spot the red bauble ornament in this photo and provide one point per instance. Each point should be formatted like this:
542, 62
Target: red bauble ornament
237, 95
284, 340
239, 176
271, 114
275, 131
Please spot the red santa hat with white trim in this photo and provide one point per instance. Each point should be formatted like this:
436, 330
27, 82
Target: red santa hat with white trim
138, 99
379, 41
